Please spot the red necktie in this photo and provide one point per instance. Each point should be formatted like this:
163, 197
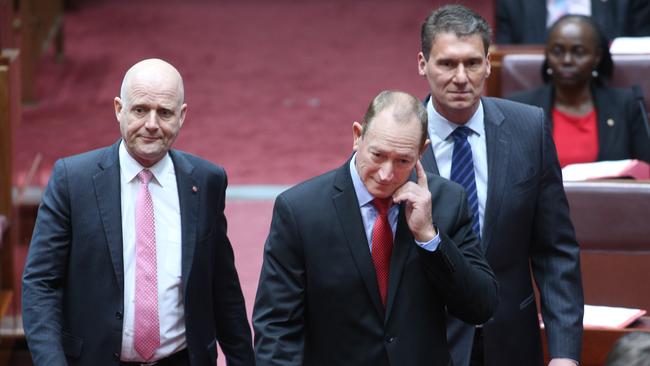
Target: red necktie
382, 245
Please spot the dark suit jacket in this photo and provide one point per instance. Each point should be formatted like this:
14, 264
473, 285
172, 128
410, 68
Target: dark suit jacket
524, 21
526, 222
73, 285
318, 300
627, 138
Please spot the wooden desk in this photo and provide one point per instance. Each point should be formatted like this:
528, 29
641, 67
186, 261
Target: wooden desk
10, 110
610, 219
5, 293
596, 343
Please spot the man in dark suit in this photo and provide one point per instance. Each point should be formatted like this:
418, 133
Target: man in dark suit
333, 292
129, 261
527, 21
518, 203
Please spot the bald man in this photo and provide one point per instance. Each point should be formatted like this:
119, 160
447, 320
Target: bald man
129, 262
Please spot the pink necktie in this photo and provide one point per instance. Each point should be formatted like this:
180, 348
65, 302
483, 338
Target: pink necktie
382, 245
147, 326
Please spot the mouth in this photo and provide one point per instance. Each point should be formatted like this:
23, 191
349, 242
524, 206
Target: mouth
460, 95
381, 183
148, 139
567, 74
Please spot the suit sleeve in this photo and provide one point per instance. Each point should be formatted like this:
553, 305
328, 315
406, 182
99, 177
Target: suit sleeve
278, 315
233, 331
555, 260
45, 272
459, 270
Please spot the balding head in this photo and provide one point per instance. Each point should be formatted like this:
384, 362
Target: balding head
403, 106
152, 71
150, 109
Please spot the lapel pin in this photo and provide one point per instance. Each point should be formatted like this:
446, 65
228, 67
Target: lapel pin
195, 189
610, 122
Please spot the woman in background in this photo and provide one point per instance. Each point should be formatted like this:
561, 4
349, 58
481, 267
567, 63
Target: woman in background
590, 121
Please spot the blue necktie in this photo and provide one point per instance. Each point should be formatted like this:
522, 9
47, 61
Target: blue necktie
462, 171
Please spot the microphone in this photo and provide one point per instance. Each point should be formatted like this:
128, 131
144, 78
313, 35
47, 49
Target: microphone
638, 95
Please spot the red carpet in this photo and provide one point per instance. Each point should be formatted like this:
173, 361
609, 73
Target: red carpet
272, 87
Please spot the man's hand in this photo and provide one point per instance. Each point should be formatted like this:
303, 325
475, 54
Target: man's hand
562, 362
417, 199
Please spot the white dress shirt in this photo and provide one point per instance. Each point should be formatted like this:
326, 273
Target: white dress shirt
557, 8
442, 143
167, 218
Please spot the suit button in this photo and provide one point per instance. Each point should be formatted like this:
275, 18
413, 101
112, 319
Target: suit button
118, 315
116, 356
390, 339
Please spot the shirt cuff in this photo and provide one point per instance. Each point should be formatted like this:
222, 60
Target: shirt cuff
430, 246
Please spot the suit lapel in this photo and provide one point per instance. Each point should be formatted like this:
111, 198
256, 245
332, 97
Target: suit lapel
107, 192
428, 160
347, 208
496, 140
188, 199
602, 114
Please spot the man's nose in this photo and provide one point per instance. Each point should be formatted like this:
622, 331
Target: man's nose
460, 76
386, 172
151, 121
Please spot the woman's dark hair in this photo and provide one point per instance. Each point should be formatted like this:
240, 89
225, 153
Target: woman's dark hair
605, 67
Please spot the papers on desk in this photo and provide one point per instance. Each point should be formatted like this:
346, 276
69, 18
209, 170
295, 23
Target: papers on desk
630, 45
597, 317
606, 317
628, 168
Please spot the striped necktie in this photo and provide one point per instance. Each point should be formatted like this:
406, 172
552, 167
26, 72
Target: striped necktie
462, 171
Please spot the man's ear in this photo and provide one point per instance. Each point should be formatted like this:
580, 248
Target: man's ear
426, 144
422, 64
117, 103
357, 129
182, 116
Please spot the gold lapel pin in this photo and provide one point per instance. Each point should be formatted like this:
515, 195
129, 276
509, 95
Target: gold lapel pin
610, 122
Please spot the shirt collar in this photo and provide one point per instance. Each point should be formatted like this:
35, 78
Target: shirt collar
363, 196
130, 167
443, 127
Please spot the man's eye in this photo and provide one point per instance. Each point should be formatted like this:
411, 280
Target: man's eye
404, 162
139, 110
557, 51
165, 113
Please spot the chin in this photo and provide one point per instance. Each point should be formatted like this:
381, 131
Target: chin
381, 192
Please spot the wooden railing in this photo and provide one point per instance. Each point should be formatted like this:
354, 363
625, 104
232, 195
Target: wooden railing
39, 25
